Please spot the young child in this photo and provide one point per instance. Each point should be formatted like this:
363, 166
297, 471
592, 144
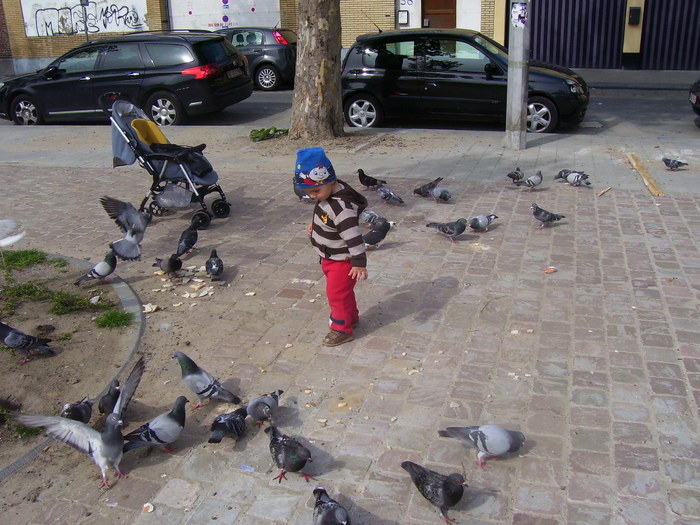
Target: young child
336, 236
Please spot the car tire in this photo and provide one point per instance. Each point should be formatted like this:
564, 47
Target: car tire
542, 115
267, 77
363, 111
165, 109
25, 111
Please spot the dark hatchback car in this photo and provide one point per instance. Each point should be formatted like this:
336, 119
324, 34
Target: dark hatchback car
450, 74
271, 53
694, 97
169, 74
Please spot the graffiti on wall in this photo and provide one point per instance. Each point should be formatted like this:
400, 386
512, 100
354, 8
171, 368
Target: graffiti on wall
67, 17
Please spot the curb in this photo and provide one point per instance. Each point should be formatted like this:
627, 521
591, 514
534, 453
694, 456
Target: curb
131, 303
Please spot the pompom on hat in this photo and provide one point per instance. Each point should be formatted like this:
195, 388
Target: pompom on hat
312, 168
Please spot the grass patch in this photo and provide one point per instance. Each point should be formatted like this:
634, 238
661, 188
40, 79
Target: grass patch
114, 319
64, 303
18, 430
16, 260
61, 302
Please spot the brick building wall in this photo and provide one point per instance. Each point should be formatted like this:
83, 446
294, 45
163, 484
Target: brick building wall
5, 51
488, 12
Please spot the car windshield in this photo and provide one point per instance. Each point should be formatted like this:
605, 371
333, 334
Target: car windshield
491, 45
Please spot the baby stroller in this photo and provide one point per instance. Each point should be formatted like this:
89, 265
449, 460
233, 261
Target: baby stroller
181, 174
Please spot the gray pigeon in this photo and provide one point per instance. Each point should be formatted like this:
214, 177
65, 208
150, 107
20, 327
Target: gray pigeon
101, 270
203, 383
441, 194
188, 239
128, 247
264, 407
490, 440
80, 411
516, 175
532, 181
171, 265
107, 401
576, 178
161, 431
369, 182
126, 216
544, 216
426, 189
214, 266
377, 234
481, 223
442, 491
673, 164
370, 217
23, 343
388, 196
450, 229
230, 424
104, 448
127, 391
327, 511
563, 173
288, 454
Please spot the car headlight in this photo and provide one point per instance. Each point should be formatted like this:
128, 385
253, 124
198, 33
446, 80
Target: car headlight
574, 86
2, 85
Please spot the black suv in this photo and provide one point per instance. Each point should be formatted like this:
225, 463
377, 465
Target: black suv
271, 53
450, 74
170, 74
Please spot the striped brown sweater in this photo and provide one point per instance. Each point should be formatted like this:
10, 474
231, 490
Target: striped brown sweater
336, 233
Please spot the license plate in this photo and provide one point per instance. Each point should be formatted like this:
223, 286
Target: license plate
693, 98
233, 73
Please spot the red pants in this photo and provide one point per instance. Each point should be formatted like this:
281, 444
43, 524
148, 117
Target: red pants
340, 290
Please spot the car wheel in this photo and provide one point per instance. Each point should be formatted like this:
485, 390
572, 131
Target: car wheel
267, 77
25, 112
165, 109
363, 111
542, 115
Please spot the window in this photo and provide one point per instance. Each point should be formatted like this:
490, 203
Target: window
82, 61
168, 55
121, 56
391, 55
454, 55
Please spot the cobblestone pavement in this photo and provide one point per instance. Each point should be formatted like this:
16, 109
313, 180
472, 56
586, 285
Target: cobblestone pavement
598, 363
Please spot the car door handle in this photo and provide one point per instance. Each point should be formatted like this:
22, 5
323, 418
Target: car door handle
134, 74
83, 79
430, 84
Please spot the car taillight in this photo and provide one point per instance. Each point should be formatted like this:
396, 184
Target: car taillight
199, 72
279, 38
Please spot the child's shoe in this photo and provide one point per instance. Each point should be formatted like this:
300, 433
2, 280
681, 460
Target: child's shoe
335, 338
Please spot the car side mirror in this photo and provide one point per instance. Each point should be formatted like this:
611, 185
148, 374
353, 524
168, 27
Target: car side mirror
51, 72
492, 69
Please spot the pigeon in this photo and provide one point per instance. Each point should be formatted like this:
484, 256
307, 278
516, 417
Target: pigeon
161, 431
388, 196
516, 176
450, 229
101, 270
441, 194
171, 265
288, 454
214, 266
544, 216
80, 411
104, 448
563, 174
426, 189
370, 217
327, 511
532, 181
673, 164
264, 407
490, 440
203, 383
481, 223
23, 343
303, 196
230, 424
440, 490
127, 248
576, 178
369, 182
126, 216
377, 234
188, 239
107, 401
10, 233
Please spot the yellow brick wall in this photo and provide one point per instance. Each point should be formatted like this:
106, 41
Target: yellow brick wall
53, 46
488, 11
288, 14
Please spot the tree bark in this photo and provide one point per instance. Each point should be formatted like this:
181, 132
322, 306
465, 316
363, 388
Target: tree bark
317, 111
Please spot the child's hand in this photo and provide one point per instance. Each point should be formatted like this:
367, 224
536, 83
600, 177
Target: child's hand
358, 273
310, 228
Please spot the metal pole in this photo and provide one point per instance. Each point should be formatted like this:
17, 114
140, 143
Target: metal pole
518, 56
85, 3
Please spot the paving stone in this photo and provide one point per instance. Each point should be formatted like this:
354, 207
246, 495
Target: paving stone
539, 499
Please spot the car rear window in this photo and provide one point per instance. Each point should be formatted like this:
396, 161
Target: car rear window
168, 55
391, 55
216, 51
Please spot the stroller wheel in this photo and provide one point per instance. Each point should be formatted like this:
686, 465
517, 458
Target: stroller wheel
201, 220
220, 208
156, 210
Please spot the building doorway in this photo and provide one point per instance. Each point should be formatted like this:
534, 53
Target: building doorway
439, 13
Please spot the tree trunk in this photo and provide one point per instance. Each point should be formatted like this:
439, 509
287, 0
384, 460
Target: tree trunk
317, 111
